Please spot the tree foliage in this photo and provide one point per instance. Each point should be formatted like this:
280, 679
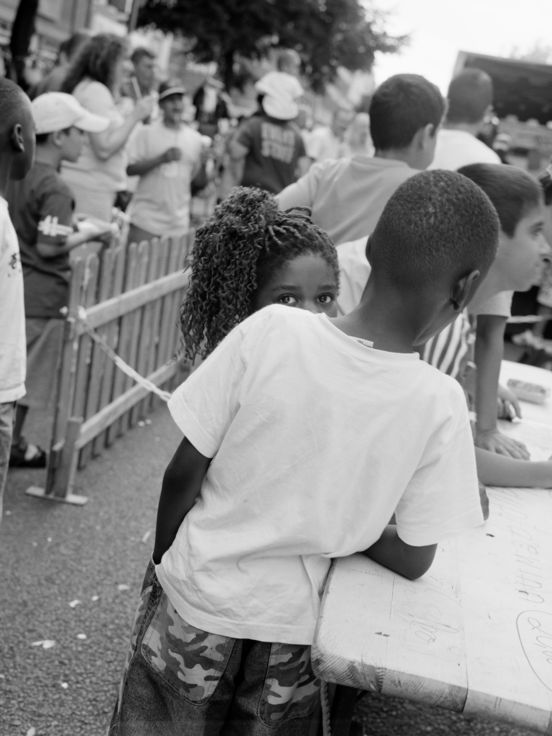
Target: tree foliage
327, 33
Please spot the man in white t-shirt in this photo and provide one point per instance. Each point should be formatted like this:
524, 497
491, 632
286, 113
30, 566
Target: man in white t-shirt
17, 146
470, 98
165, 155
289, 459
346, 196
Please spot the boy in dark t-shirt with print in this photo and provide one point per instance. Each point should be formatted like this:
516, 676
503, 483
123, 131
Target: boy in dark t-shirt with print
41, 207
267, 150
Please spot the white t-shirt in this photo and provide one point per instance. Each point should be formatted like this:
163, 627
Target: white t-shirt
322, 144
354, 270
346, 196
161, 202
13, 348
456, 148
499, 305
316, 440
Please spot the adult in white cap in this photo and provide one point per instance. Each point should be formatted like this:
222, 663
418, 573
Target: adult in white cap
41, 207
267, 150
165, 155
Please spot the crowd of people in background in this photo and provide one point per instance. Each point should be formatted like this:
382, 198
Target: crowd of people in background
292, 211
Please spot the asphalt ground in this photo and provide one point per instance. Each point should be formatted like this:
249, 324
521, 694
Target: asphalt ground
69, 582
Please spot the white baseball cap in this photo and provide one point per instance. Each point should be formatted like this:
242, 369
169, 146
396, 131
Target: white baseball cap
55, 111
280, 92
280, 83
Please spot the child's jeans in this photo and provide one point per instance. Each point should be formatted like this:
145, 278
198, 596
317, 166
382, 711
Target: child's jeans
181, 681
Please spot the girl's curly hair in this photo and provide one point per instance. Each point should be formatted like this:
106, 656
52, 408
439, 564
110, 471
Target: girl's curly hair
235, 252
96, 59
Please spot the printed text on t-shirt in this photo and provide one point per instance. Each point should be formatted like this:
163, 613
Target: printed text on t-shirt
277, 142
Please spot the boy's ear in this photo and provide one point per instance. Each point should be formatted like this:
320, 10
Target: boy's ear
56, 137
16, 138
464, 289
421, 136
427, 135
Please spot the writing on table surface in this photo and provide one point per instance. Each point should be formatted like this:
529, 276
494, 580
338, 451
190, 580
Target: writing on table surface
535, 635
428, 621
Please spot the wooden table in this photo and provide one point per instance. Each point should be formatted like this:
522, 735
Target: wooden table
475, 633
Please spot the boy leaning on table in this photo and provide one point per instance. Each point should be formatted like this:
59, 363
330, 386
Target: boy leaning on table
279, 471
518, 201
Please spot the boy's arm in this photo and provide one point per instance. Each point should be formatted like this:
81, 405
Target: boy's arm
302, 192
115, 137
55, 232
181, 486
404, 559
95, 231
489, 348
509, 472
139, 168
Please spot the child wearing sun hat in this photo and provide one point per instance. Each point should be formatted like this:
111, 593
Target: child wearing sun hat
42, 210
267, 150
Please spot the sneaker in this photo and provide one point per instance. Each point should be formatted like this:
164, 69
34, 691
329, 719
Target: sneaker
25, 455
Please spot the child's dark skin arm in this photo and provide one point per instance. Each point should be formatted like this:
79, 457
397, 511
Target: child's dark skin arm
181, 486
404, 559
489, 348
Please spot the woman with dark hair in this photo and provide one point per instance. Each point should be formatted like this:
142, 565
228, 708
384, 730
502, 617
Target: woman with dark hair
94, 78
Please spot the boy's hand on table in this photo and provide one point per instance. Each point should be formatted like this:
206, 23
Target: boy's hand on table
495, 441
508, 404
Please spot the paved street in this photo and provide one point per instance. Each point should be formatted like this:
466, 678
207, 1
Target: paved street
68, 586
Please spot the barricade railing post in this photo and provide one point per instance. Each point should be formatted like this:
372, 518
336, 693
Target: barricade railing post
63, 478
65, 387
98, 320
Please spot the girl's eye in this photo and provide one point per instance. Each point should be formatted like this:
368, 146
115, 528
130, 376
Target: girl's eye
287, 299
326, 298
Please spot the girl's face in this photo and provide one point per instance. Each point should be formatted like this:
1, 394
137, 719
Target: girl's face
306, 281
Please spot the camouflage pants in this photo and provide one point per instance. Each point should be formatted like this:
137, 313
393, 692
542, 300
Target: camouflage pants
182, 681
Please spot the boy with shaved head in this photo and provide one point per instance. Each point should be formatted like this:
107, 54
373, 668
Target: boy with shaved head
222, 638
17, 146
